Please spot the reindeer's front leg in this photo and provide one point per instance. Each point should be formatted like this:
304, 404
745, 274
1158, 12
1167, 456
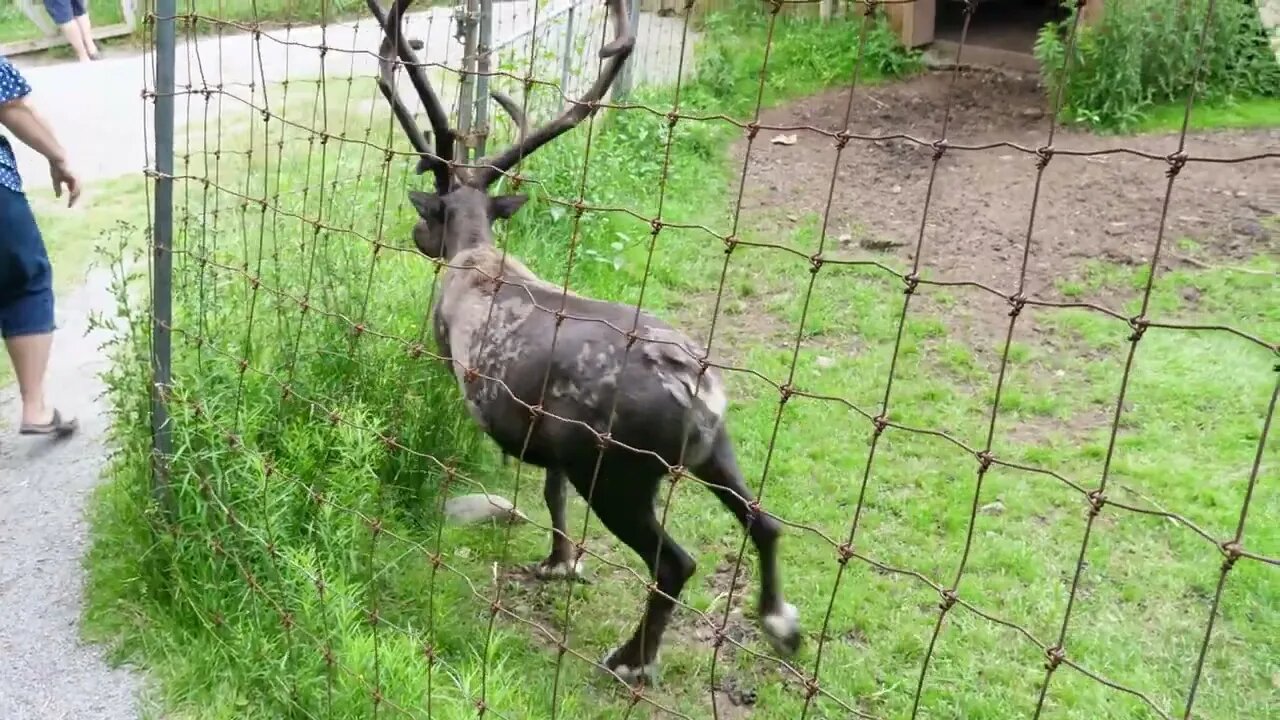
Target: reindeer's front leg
561, 563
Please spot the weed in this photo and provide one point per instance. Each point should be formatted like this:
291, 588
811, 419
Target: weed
1148, 53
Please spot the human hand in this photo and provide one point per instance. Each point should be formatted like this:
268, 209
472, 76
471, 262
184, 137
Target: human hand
62, 175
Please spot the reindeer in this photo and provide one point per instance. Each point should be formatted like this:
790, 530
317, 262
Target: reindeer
564, 388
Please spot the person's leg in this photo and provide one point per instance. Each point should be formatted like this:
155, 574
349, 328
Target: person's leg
86, 30
26, 312
64, 17
30, 357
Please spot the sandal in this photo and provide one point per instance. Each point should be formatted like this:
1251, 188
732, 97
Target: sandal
56, 426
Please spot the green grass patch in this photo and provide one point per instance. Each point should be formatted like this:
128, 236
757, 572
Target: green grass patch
309, 573
1246, 113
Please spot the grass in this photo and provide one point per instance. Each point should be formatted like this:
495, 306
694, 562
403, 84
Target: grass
1247, 113
307, 571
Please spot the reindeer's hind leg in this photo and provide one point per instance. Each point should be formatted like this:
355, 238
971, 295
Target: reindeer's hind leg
561, 562
625, 506
721, 472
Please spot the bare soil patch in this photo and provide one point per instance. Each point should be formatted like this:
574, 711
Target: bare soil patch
1106, 205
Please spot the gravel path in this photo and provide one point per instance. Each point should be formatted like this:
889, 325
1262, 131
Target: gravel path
46, 672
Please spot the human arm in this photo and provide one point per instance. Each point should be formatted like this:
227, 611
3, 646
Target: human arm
20, 118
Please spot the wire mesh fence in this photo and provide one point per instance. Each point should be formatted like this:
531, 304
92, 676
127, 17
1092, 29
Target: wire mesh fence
308, 433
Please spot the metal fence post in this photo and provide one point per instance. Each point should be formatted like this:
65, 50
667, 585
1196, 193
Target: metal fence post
467, 88
162, 247
567, 55
627, 77
484, 67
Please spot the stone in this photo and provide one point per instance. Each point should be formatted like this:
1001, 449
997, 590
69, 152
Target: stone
478, 507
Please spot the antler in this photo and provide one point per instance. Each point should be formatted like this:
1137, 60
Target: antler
436, 159
493, 167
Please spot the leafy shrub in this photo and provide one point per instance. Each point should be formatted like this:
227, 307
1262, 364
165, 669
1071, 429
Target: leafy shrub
1144, 53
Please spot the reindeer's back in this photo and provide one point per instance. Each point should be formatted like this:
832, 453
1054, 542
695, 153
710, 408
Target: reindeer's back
585, 372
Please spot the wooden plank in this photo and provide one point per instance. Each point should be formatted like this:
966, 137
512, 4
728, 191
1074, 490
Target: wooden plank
38, 17
23, 47
1092, 11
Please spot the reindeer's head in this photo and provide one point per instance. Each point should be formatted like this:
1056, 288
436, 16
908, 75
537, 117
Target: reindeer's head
460, 213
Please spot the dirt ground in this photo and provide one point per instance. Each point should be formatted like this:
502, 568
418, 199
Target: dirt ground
1106, 205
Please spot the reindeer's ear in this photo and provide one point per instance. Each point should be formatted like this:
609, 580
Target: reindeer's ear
428, 205
504, 206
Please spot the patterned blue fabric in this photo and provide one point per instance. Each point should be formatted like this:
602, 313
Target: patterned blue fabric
12, 87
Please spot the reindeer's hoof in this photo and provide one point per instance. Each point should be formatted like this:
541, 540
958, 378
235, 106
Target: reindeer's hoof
632, 670
557, 569
783, 629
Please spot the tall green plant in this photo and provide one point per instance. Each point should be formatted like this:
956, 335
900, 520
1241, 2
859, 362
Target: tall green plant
1145, 53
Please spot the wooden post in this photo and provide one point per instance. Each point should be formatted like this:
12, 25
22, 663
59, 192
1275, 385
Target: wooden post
913, 22
1092, 12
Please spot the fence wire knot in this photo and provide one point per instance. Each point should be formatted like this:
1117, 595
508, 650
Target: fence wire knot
1232, 551
842, 138
939, 148
1055, 655
785, 392
912, 281
1044, 154
1139, 325
949, 599
845, 551
1018, 301
718, 636
815, 263
879, 422
1096, 500
985, 458
1177, 161
753, 127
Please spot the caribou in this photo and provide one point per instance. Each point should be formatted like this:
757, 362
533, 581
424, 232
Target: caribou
597, 394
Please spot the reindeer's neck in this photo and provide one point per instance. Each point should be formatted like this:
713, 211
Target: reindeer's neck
483, 264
